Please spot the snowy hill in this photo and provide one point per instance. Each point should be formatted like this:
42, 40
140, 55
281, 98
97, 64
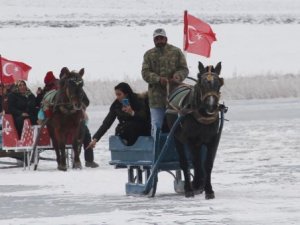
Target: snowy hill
34, 13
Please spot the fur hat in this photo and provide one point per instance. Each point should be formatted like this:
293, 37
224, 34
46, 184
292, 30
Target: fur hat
49, 78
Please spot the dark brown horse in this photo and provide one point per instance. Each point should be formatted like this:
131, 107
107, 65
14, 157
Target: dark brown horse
67, 121
199, 127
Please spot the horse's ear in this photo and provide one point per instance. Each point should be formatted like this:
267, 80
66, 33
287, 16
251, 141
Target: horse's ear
201, 67
81, 72
64, 72
218, 68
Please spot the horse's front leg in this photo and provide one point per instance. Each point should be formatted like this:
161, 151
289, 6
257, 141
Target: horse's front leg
57, 152
77, 144
55, 144
184, 166
58, 144
209, 163
77, 149
62, 164
199, 170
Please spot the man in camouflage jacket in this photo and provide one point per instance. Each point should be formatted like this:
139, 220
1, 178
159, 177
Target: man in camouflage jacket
162, 64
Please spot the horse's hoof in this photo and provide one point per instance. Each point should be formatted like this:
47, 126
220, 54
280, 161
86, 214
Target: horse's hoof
77, 165
91, 164
188, 190
198, 189
209, 195
189, 194
62, 168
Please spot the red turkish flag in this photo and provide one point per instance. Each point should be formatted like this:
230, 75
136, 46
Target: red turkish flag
198, 36
13, 71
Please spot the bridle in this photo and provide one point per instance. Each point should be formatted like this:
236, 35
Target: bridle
195, 98
68, 107
200, 97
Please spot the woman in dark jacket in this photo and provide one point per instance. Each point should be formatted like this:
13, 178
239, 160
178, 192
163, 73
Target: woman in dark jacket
22, 105
134, 117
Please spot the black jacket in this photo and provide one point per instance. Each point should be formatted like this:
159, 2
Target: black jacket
141, 116
18, 104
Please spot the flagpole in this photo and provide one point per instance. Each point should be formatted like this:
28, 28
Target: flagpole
2, 85
185, 30
1, 73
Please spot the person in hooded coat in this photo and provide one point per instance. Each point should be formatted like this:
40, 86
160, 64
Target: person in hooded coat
22, 105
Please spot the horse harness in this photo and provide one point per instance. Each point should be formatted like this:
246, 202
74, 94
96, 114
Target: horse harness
66, 107
190, 100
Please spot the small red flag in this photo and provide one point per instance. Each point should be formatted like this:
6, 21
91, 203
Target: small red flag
198, 36
12, 71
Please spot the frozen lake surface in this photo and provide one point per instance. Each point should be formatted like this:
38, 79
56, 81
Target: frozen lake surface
256, 178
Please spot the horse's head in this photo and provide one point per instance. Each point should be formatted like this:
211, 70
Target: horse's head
208, 87
72, 84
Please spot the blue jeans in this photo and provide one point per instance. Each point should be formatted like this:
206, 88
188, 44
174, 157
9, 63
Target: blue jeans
157, 117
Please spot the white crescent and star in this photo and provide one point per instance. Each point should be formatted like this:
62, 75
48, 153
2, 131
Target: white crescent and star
198, 35
16, 69
7, 128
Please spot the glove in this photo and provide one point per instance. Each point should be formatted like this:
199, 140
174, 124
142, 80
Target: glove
176, 78
163, 81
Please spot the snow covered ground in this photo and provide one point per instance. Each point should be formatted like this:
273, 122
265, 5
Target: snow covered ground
108, 38
256, 179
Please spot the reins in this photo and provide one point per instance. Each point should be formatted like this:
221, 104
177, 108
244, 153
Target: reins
193, 101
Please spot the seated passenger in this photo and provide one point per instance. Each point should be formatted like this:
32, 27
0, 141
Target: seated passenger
22, 105
133, 115
4, 90
45, 97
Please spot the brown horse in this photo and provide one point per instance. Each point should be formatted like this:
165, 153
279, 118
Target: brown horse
67, 120
199, 127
